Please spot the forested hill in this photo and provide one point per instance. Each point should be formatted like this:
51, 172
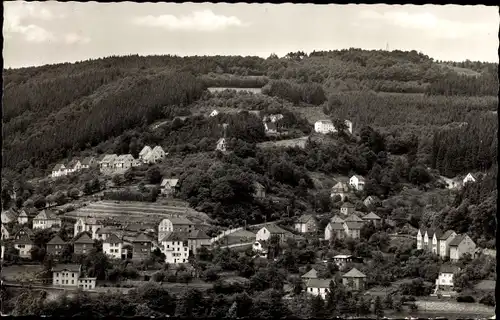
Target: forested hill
54, 111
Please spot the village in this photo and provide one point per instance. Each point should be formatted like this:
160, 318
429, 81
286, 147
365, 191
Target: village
168, 232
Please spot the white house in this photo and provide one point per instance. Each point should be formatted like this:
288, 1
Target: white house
357, 182
353, 229
176, 247
469, 178
59, 170
265, 233
108, 161
3, 251
22, 218
318, 287
341, 260
154, 156
88, 162
46, 219
146, 150
445, 278
461, 245
370, 200
444, 243
270, 127
324, 126
169, 186
113, 246
335, 228
87, 224
124, 161
214, 113
221, 145
70, 275
74, 166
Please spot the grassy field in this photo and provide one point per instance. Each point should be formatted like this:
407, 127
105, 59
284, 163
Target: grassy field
135, 211
461, 71
218, 89
311, 114
298, 142
324, 181
20, 272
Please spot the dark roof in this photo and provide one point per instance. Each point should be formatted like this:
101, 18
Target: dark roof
272, 228
141, 237
56, 240
84, 237
311, 274
106, 230
457, 240
337, 219
198, 234
68, 267
446, 235
176, 236
27, 230
347, 205
112, 238
448, 268
336, 226
46, 215
354, 273
318, 283
353, 218
354, 225
87, 160
371, 216
304, 218
180, 220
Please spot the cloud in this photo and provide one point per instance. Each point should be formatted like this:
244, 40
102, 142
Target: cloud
204, 20
74, 38
427, 22
16, 15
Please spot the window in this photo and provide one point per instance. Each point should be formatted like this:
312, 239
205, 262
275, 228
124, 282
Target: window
72, 281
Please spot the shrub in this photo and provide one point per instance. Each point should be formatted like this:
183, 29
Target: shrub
488, 300
468, 299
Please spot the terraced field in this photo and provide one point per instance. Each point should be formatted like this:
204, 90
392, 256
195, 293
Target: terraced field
135, 211
298, 142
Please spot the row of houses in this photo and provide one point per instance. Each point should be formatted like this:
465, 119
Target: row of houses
445, 243
44, 219
353, 280
110, 161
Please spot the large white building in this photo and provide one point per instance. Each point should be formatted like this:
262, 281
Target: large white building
357, 182
90, 225
70, 275
326, 126
176, 247
46, 219
175, 223
445, 278
318, 287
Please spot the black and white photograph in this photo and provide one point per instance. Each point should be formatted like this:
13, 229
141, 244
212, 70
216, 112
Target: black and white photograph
249, 160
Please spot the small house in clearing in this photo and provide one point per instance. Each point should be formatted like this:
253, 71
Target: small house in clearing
372, 218
266, 232
169, 186
221, 145
354, 280
259, 190
357, 182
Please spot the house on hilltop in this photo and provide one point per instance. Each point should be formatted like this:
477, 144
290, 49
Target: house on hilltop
324, 126
73, 166
88, 162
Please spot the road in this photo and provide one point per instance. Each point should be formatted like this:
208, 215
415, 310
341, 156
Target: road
237, 245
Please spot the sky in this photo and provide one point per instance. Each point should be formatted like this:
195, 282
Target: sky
38, 33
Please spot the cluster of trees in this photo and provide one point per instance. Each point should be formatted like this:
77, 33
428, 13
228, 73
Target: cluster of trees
309, 92
485, 84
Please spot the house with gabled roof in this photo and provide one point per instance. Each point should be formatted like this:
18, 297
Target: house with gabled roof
108, 161
46, 219
113, 246
311, 274
342, 190
420, 238
169, 186
124, 161
176, 247
353, 229
354, 280
26, 214
444, 243
269, 230
146, 150
156, 155
357, 182
56, 245
372, 218
324, 126
434, 246
74, 166
24, 232
461, 245
24, 245
221, 145
70, 275
445, 278
198, 239
89, 224
306, 223
105, 232
270, 127
347, 208
59, 170
142, 246
318, 287
371, 200
353, 217
83, 243
335, 229
259, 190
341, 260
88, 162
470, 178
